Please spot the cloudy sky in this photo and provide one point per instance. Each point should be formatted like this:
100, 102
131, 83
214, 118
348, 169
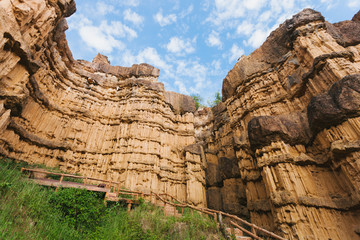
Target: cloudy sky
193, 43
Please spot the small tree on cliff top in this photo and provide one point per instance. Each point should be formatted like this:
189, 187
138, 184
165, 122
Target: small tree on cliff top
216, 101
198, 100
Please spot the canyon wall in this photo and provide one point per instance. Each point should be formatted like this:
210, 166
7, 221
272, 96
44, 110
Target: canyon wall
284, 145
102, 121
282, 149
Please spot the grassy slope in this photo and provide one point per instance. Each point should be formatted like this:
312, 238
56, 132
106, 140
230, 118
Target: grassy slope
27, 211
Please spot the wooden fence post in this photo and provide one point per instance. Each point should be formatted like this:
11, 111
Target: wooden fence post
220, 218
215, 217
253, 230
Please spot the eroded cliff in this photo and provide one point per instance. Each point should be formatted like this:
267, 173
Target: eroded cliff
284, 143
91, 118
282, 149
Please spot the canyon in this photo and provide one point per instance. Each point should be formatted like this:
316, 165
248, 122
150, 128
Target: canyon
282, 148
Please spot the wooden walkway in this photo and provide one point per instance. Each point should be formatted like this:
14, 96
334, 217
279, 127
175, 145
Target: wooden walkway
65, 184
40, 177
114, 192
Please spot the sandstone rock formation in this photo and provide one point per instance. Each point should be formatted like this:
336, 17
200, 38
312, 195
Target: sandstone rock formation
91, 118
282, 149
290, 119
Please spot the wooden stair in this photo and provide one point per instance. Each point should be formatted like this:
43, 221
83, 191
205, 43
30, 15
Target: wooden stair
171, 211
168, 209
170, 204
239, 235
111, 196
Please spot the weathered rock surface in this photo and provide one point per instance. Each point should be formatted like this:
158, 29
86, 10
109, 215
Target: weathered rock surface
283, 148
290, 119
91, 118
339, 104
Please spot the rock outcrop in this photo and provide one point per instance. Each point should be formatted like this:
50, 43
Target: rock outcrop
104, 121
282, 149
290, 119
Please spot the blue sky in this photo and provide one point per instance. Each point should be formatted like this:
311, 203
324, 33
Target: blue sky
193, 43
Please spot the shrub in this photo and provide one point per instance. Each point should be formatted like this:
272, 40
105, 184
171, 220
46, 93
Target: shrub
30, 211
81, 208
198, 100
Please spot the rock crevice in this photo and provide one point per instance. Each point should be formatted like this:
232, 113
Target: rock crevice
290, 121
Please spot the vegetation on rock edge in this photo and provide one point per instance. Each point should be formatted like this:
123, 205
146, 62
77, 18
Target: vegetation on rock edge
29, 211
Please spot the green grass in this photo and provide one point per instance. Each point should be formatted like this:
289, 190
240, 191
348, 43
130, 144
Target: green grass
29, 211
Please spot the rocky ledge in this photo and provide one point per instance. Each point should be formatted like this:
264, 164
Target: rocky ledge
289, 130
282, 149
104, 121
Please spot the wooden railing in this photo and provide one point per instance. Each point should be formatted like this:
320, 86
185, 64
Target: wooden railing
115, 187
219, 214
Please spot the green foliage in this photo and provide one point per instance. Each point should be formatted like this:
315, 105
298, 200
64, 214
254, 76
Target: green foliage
29, 211
211, 103
216, 101
81, 208
218, 98
4, 186
25, 211
198, 100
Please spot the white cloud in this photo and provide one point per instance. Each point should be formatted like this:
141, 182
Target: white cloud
245, 28
255, 4
235, 53
205, 5
265, 16
116, 28
192, 69
181, 86
275, 6
288, 4
216, 68
148, 55
132, 3
251, 20
234, 9
214, 40
258, 37
133, 17
187, 11
329, 3
227, 9
164, 20
95, 38
179, 46
103, 38
182, 73
102, 8
353, 3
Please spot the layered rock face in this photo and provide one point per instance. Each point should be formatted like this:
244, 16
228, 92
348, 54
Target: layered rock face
282, 149
225, 188
91, 118
284, 144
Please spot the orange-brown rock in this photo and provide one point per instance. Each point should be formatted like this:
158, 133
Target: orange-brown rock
225, 188
290, 118
282, 149
104, 121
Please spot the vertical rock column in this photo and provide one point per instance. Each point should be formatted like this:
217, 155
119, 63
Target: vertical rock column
293, 108
109, 122
225, 189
